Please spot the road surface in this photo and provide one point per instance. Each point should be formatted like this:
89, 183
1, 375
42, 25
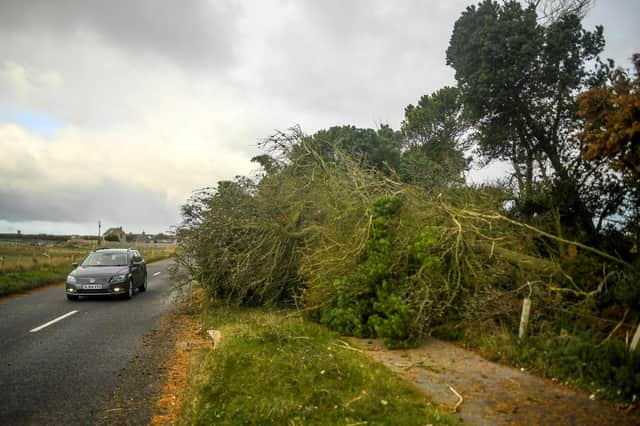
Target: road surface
60, 360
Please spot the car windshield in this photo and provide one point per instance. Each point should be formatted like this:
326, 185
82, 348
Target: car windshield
105, 259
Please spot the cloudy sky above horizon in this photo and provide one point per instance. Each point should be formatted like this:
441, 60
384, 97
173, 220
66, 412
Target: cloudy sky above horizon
119, 110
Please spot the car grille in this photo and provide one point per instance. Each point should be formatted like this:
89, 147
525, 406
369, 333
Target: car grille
83, 291
100, 280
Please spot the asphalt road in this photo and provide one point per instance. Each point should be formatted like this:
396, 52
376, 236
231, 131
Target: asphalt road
64, 373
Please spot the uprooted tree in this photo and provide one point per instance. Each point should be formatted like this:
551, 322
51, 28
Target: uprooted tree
367, 254
375, 233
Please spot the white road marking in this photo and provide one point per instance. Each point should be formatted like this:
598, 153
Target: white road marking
156, 274
53, 321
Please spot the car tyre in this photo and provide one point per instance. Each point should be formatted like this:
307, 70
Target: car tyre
129, 294
143, 286
72, 297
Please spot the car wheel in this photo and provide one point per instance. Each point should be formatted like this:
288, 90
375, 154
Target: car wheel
143, 286
129, 294
72, 298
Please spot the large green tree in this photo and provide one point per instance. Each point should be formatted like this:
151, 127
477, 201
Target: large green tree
435, 138
518, 80
370, 148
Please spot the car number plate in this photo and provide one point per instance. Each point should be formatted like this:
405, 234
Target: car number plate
92, 286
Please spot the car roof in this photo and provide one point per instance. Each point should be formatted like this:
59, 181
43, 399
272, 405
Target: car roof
108, 249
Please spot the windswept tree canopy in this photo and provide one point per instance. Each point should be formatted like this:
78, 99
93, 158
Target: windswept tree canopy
518, 80
436, 119
435, 138
372, 148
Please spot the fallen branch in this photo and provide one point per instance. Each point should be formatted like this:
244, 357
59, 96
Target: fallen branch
460, 398
346, 345
473, 214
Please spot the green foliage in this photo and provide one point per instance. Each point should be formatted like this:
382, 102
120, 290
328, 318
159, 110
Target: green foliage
111, 237
379, 298
376, 309
393, 319
348, 314
435, 139
370, 148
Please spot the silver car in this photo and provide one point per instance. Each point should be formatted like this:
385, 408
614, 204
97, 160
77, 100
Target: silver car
108, 272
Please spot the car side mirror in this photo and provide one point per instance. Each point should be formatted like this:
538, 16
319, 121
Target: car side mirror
74, 264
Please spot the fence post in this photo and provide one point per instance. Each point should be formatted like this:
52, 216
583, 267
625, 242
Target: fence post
636, 338
524, 318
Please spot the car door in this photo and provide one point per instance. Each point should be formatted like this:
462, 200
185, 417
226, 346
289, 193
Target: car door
143, 265
140, 267
135, 269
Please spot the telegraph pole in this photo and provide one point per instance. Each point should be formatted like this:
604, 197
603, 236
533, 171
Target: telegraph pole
99, 226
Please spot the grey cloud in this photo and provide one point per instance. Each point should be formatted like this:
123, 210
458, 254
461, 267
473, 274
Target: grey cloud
361, 60
190, 32
112, 201
147, 72
621, 29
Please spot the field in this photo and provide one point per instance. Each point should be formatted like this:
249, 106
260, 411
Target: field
26, 265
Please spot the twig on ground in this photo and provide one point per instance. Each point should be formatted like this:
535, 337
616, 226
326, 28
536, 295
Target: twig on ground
460, 398
357, 398
345, 345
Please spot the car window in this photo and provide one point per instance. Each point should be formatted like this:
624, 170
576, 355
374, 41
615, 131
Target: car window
105, 259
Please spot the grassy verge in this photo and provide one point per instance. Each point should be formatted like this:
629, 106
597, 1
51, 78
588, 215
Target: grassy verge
273, 368
21, 281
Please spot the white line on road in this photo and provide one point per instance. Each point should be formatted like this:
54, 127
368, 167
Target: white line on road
53, 321
156, 274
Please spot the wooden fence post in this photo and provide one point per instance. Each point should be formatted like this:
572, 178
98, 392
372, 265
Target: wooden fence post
636, 338
524, 318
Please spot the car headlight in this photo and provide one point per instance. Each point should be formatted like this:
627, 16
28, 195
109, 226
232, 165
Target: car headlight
71, 279
118, 278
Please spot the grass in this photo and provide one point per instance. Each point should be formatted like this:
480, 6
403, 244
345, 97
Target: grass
28, 256
28, 265
273, 368
21, 281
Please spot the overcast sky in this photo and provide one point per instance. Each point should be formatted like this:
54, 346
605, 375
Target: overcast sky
118, 110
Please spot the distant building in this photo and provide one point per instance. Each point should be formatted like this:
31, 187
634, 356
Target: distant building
115, 232
163, 238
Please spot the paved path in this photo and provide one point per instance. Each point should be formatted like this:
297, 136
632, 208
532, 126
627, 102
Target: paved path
65, 372
493, 394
